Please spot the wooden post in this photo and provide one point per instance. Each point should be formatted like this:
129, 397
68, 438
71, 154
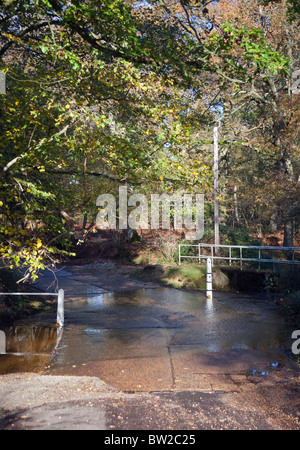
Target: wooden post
216, 189
236, 208
208, 279
60, 308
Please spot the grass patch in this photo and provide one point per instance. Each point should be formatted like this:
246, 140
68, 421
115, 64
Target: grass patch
186, 276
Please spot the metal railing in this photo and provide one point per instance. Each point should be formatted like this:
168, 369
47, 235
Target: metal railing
60, 301
237, 253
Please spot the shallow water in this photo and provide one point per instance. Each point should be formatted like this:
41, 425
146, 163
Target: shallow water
27, 348
147, 323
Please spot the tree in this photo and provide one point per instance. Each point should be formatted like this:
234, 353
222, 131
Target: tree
103, 93
263, 113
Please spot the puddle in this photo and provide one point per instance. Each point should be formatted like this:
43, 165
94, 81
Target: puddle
147, 323
27, 348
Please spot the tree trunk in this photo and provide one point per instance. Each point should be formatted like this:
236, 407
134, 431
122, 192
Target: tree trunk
274, 220
236, 208
84, 220
216, 191
288, 239
84, 192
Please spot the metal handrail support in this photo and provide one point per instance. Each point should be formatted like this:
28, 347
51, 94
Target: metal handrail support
60, 302
241, 258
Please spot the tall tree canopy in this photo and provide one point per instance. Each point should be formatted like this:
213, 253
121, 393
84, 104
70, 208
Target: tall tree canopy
103, 93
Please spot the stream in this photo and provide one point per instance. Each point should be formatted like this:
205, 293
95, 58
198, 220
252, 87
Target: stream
145, 323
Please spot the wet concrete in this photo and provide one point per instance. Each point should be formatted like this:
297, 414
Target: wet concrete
163, 339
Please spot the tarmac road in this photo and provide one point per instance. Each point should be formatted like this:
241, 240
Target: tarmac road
42, 402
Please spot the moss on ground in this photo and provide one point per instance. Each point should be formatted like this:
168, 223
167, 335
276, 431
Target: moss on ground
186, 276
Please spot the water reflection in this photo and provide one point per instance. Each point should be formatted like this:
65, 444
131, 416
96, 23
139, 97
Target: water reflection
210, 312
27, 348
92, 331
96, 301
36, 339
150, 323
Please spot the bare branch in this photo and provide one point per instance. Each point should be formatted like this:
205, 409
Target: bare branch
27, 30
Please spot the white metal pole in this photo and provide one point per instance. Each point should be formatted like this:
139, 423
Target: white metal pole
2, 342
241, 258
60, 308
208, 279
